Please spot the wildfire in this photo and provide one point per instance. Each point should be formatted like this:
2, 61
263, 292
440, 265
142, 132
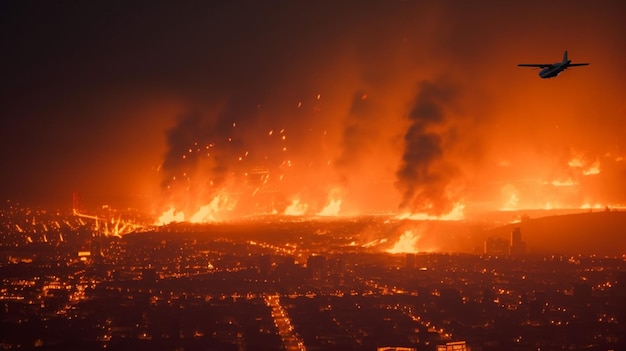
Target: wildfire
594, 168
296, 208
407, 243
217, 209
170, 216
284, 165
110, 226
456, 214
211, 211
511, 197
588, 206
204, 214
332, 209
567, 182
586, 167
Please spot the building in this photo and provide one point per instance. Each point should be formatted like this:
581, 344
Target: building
518, 247
453, 346
495, 246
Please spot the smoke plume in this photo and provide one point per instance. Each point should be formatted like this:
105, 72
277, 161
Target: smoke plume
287, 111
425, 176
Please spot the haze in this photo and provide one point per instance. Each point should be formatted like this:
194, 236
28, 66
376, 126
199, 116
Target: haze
267, 107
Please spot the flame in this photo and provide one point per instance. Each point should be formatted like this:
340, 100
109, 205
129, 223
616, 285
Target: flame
566, 182
205, 214
456, 214
215, 210
576, 162
170, 216
511, 197
269, 172
211, 211
296, 208
118, 227
594, 168
407, 243
587, 168
588, 206
374, 243
332, 209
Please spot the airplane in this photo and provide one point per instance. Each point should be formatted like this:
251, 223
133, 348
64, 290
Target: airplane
553, 69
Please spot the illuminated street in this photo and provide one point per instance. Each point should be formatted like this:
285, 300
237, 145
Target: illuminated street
290, 339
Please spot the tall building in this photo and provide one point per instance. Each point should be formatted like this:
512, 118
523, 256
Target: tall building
518, 247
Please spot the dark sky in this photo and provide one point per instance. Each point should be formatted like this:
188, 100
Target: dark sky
385, 105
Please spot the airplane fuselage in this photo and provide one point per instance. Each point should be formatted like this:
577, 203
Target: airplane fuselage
554, 70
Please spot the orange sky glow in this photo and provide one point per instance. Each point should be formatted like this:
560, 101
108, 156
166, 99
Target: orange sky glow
410, 108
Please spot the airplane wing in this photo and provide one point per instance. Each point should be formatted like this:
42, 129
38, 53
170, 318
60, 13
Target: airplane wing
540, 65
578, 64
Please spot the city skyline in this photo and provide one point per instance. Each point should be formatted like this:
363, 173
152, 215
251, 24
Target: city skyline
297, 285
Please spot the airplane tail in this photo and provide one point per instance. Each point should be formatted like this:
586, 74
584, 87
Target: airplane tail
565, 56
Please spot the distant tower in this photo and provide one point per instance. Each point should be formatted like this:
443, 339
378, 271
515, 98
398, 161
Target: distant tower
518, 247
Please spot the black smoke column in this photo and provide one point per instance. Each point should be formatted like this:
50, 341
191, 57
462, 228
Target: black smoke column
425, 175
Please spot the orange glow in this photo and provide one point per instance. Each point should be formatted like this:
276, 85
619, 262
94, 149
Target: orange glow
409, 111
586, 167
567, 182
415, 132
170, 216
212, 211
407, 243
510, 197
456, 214
110, 225
590, 206
332, 209
296, 208
204, 214
594, 168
